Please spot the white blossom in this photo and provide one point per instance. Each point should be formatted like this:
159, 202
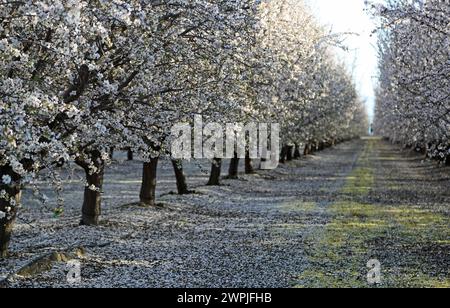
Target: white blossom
6, 179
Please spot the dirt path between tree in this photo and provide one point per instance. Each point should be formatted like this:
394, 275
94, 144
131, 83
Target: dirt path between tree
311, 223
387, 212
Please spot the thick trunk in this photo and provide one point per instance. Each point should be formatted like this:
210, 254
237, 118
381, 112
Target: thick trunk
447, 161
7, 209
180, 177
289, 153
283, 155
248, 164
130, 155
148, 188
216, 170
92, 203
297, 153
7, 223
233, 171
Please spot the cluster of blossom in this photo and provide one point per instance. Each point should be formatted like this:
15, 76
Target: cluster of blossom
413, 102
82, 78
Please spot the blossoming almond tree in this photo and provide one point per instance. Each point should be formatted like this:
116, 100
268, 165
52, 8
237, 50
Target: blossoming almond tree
29, 105
413, 94
116, 47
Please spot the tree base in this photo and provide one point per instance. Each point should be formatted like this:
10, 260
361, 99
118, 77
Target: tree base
148, 187
13, 191
249, 166
182, 186
147, 203
216, 170
232, 177
89, 221
234, 168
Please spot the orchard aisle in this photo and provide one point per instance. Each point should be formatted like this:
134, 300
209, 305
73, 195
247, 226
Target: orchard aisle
393, 211
313, 222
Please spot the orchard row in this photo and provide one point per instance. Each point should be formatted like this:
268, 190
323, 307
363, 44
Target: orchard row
83, 78
413, 100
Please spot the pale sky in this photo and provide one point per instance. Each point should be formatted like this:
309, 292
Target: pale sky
349, 16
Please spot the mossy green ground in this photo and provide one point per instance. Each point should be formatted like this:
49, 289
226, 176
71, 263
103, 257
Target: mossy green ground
410, 242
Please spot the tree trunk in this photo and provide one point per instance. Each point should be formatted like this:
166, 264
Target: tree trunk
216, 169
92, 197
283, 155
297, 153
289, 152
8, 209
248, 164
447, 161
130, 155
233, 171
180, 176
307, 149
148, 188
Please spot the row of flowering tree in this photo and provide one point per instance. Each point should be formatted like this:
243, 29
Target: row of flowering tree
80, 79
413, 98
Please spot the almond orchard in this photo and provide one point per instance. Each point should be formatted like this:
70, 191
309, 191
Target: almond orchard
275, 180
84, 78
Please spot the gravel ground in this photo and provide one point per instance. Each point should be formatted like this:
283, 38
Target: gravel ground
312, 222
